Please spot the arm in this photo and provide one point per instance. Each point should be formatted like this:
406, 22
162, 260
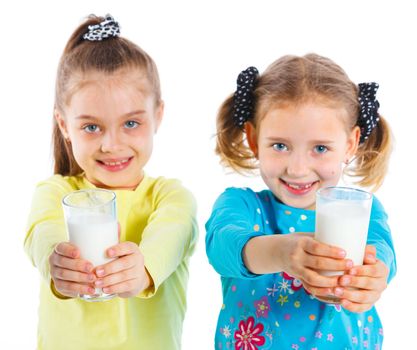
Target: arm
45, 243
168, 238
235, 249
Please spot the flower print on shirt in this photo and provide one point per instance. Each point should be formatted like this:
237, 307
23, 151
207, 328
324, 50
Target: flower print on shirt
262, 307
248, 335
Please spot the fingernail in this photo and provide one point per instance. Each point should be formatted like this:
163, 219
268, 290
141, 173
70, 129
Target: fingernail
74, 253
91, 291
106, 290
338, 291
110, 253
98, 283
91, 277
370, 257
349, 264
88, 268
100, 272
342, 253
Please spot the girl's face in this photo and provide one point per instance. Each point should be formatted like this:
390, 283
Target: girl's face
302, 148
110, 122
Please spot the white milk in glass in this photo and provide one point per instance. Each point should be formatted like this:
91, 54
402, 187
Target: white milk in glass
342, 220
93, 235
345, 226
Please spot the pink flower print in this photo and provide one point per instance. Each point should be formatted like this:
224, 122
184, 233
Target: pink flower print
377, 347
381, 331
330, 337
239, 304
366, 330
262, 307
295, 346
318, 334
295, 284
303, 339
248, 335
365, 344
354, 340
314, 349
337, 307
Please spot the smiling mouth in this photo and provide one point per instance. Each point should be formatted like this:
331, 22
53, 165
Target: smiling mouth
115, 164
298, 188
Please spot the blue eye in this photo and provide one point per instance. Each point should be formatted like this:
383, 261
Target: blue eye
130, 124
320, 149
281, 147
91, 128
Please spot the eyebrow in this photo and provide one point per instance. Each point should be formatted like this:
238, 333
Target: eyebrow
284, 140
127, 115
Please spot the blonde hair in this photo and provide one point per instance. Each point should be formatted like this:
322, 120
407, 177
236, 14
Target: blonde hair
297, 79
82, 56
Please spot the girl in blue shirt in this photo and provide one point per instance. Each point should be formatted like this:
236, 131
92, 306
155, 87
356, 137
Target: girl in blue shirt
302, 123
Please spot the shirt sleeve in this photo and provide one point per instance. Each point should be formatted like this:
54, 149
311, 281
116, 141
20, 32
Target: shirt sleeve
171, 233
45, 226
228, 229
379, 235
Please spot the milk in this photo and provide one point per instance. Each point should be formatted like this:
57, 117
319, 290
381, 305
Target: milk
93, 234
344, 224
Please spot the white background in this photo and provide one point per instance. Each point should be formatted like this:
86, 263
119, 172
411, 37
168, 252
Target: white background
200, 47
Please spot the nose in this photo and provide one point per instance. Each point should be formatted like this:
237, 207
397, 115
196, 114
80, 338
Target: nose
298, 165
111, 142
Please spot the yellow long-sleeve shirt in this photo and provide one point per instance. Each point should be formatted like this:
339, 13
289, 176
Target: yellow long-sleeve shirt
159, 215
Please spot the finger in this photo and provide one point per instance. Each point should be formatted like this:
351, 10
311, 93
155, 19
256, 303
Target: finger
73, 276
72, 289
122, 249
371, 250
123, 287
315, 247
323, 263
117, 265
377, 270
67, 249
116, 278
71, 264
361, 282
360, 296
315, 279
318, 292
355, 307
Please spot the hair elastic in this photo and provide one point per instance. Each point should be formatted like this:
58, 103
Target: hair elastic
108, 28
368, 115
243, 98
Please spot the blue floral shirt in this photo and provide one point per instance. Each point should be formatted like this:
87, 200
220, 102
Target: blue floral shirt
274, 311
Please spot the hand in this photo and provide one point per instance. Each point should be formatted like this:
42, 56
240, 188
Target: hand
304, 257
70, 274
126, 275
364, 284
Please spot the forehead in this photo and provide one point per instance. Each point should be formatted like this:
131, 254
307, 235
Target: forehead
304, 120
97, 82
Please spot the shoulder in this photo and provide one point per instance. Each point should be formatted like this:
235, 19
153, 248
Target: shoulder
243, 195
61, 183
377, 207
161, 188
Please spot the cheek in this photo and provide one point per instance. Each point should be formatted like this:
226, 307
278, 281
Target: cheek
330, 170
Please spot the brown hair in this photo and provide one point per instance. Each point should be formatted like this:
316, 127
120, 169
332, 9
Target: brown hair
298, 79
82, 56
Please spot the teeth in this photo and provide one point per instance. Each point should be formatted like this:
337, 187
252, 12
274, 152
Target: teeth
298, 187
116, 163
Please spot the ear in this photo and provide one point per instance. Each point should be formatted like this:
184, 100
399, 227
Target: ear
353, 142
252, 138
159, 113
61, 124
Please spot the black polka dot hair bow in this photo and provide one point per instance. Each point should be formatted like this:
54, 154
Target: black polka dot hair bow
243, 97
368, 115
108, 28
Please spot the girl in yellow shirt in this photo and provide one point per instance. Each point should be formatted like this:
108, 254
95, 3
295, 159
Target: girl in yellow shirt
107, 108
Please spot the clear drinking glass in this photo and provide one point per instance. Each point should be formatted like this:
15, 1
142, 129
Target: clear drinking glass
342, 220
91, 221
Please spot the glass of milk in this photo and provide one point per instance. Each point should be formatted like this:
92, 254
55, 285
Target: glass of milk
91, 221
342, 220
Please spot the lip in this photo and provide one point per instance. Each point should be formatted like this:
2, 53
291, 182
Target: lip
114, 164
298, 188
